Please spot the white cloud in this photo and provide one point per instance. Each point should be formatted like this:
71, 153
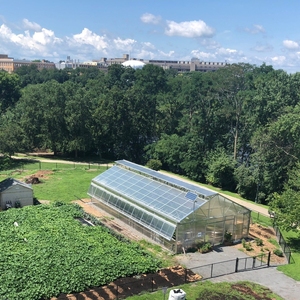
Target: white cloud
255, 29
227, 51
126, 44
165, 54
46, 37
290, 45
263, 47
278, 60
189, 29
203, 55
149, 18
31, 25
142, 53
39, 43
210, 44
87, 37
148, 45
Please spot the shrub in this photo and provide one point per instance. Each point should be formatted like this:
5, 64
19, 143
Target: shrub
227, 236
278, 252
154, 164
259, 242
246, 245
206, 247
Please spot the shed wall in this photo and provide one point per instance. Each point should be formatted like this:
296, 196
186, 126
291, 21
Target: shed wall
17, 193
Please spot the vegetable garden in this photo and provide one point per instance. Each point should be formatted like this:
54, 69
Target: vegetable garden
45, 251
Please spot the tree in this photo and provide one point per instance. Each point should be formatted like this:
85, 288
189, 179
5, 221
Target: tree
9, 90
232, 84
78, 119
41, 115
220, 169
286, 205
28, 75
11, 134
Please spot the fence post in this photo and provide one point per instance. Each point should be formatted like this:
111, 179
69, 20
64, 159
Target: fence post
185, 275
152, 284
269, 258
211, 270
253, 262
236, 265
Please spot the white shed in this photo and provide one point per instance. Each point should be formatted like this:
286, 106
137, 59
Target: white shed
15, 192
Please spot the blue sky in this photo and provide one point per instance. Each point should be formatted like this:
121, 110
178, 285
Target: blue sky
254, 32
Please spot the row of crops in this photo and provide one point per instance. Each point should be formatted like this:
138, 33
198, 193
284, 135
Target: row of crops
45, 251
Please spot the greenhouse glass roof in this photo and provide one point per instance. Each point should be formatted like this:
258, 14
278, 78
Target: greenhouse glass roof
165, 200
202, 192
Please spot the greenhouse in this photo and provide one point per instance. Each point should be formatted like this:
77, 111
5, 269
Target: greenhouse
170, 211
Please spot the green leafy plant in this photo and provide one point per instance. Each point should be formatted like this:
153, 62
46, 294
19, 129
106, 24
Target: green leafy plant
259, 242
50, 252
227, 238
278, 252
246, 245
205, 248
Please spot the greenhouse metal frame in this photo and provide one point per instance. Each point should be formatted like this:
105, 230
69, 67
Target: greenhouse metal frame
175, 213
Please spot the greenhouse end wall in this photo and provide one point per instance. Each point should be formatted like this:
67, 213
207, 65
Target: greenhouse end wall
210, 222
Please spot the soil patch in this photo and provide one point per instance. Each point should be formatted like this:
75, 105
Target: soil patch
266, 235
38, 177
129, 286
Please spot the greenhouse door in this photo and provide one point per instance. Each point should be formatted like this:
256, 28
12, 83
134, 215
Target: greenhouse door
215, 232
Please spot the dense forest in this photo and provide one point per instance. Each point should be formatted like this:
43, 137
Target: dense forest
237, 128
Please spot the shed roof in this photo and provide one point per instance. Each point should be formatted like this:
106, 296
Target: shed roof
9, 182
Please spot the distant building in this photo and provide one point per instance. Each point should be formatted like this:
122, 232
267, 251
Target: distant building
10, 64
180, 66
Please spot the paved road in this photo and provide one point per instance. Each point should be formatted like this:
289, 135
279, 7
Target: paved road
275, 280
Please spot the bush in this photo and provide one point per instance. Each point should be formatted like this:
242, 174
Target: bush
278, 252
259, 242
154, 164
204, 248
246, 245
227, 238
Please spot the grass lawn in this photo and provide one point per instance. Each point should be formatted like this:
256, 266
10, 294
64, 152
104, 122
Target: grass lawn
211, 291
293, 240
64, 184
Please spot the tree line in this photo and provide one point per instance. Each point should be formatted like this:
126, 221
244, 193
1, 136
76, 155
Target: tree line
237, 128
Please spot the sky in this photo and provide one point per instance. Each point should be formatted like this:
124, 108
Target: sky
232, 31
